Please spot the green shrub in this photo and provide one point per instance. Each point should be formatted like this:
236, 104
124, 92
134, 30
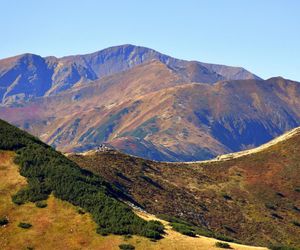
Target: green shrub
296, 208
296, 223
24, 225
227, 197
223, 245
127, 237
173, 219
187, 228
224, 238
204, 232
126, 247
48, 171
155, 225
41, 204
276, 216
80, 211
183, 229
271, 206
151, 234
3, 221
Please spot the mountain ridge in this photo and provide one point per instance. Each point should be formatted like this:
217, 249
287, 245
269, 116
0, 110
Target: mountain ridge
63, 73
146, 103
220, 158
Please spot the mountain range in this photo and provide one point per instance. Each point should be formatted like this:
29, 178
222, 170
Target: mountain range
28, 75
145, 103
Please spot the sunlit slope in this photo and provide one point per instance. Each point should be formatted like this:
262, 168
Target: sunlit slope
61, 226
50, 173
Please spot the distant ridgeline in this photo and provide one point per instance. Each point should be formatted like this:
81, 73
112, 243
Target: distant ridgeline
48, 171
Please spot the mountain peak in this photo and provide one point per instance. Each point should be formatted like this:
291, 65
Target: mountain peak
53, 75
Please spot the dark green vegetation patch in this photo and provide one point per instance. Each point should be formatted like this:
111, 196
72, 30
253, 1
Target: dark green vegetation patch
126, 247
41, 204
296, 223
24, 225
189, 229
3, 221
223, 245
183, 229
48, 171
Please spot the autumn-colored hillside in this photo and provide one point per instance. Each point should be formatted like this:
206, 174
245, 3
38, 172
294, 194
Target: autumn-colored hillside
145, 103
31, 217
254, 198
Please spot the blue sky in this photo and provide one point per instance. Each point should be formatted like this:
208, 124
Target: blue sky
260, 35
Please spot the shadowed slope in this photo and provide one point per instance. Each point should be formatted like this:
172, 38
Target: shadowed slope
253, 198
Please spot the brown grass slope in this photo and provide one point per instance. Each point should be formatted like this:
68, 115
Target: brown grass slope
60, 226
254, 198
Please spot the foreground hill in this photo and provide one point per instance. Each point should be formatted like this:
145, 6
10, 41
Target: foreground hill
254, 198
35, 212
49, 172
60, 225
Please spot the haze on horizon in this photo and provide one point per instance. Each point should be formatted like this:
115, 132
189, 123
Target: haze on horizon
261, 36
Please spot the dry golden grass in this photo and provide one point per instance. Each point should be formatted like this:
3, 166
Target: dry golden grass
176, 241
60, 226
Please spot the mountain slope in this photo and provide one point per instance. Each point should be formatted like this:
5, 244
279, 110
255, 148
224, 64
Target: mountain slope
24, 76
60, 225
49, 172
147, 112
27, 76
263, 147
145, 103
253, 198
57, 224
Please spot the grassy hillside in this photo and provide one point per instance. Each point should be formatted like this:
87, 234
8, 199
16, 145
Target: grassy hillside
254, 198
49, 172
54, 227
61, 225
